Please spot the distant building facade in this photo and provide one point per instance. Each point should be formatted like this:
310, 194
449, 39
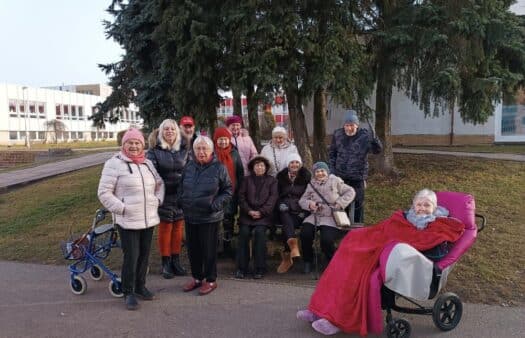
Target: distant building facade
57, 113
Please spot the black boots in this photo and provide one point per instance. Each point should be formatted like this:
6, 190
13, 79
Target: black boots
131, 302
177, 268
167, 268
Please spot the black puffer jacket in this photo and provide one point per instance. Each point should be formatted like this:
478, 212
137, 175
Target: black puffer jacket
348, 154
290, 192
169, 165
206, 189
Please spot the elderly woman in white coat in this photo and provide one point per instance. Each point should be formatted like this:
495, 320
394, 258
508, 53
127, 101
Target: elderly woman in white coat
325, 193
132, 190
278, 150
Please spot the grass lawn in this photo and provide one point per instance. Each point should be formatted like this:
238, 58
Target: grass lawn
36, 218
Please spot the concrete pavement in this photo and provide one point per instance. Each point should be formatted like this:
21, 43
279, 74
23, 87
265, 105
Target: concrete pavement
37, 302
12, 179
494, 156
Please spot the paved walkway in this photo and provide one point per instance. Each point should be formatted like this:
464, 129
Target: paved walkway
494, 156
37, 302
14, 178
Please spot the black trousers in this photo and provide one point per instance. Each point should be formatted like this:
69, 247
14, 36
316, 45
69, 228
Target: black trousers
258, 247
328, 237
136, 246
289, 222
202, 250
359, 202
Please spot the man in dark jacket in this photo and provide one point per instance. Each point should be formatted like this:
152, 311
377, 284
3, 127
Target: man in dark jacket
206, 189
349, 158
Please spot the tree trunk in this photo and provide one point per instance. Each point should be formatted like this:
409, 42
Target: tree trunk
253, 117
385, 160
319, 151
237, 101
298, 122
451, 124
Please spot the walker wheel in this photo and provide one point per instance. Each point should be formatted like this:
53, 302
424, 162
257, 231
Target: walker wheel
115, 288
399, 328
96, 273
78, 285
447, 311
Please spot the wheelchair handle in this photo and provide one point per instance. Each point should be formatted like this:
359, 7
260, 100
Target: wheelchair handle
481, 226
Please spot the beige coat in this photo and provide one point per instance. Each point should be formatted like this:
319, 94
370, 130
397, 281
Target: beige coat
337, 194
132, 192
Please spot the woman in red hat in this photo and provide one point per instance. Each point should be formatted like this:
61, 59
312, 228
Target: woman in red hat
228, 155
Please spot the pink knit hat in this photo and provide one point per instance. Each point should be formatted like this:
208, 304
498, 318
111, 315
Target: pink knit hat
133, 133
233, 119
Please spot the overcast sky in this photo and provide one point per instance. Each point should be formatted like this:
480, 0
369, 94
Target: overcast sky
54, 42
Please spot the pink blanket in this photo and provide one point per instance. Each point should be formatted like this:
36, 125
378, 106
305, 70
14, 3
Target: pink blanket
341, 294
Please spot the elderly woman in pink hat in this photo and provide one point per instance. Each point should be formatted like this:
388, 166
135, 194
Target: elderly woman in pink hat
132, 190
241, 140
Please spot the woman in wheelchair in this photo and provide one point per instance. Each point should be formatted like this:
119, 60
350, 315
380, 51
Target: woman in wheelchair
339, 302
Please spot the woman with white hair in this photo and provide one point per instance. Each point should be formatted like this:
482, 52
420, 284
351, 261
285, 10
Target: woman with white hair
278, 149
206, 189
169, 158
291, 183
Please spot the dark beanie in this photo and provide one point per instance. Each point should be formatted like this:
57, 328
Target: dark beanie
320, 165
351, 117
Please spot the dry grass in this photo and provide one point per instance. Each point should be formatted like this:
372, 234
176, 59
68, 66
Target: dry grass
36, 218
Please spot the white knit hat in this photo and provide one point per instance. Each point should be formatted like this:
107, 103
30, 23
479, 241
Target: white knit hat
279, 130
293, 157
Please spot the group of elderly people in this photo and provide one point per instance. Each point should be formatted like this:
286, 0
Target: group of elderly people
193, 183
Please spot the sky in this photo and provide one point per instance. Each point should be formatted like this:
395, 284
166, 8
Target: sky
56, 42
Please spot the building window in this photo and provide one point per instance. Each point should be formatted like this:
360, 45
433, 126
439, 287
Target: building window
41, 135
32, 135
58, 111
93, 136
80, 112
13, 135
12, 108
66, 111
41, 110
111, 134
32, 110
73, 112
80, 135
22, 109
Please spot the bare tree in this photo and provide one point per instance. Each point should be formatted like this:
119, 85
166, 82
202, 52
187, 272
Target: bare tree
57, 127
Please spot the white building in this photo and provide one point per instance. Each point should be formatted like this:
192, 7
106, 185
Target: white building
31, 111
410, 127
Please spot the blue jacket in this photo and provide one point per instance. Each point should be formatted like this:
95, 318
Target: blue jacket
206, 190
348, 154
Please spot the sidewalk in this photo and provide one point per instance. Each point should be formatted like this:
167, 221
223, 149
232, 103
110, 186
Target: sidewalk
20, 177
494, 156
37, 302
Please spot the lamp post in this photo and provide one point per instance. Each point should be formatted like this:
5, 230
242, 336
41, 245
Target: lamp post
28, 143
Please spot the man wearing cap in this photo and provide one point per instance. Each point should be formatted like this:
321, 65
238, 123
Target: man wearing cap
188, 131
349, 157
241, 140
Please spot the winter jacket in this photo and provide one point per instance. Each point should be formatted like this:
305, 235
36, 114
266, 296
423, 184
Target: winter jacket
132, 192
277, 155
258, 193
206, 189
337, 194
291, 191
246, 149
230, 209
348, 154
169, 164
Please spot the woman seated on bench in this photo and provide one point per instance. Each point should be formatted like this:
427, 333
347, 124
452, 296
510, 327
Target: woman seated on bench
339, 302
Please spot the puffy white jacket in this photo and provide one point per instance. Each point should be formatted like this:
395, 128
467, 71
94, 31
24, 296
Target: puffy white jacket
278, 155
132, 192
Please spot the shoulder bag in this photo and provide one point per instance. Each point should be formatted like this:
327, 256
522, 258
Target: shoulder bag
340, 216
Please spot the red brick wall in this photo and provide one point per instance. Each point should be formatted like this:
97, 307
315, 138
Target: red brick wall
13, 157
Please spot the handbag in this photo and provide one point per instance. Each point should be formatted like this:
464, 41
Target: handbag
340, 216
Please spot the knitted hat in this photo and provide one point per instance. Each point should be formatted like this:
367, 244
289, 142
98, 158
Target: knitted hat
294, 157
221, 132
134, 134
187, 121
233, 119
320, 165
279, 130
351, 117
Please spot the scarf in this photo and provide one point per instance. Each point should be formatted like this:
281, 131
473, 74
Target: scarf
421, 222
137, 159
225, 157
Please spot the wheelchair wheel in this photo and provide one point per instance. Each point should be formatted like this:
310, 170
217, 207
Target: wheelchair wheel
447, 311
78, 285
115, 288
96, 273
399, 328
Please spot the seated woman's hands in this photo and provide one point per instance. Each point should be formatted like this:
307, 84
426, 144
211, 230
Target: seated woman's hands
313, 206
255, 214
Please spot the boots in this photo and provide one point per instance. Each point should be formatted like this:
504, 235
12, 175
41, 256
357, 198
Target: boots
167, 269
294, 247
178, 269
286, 262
